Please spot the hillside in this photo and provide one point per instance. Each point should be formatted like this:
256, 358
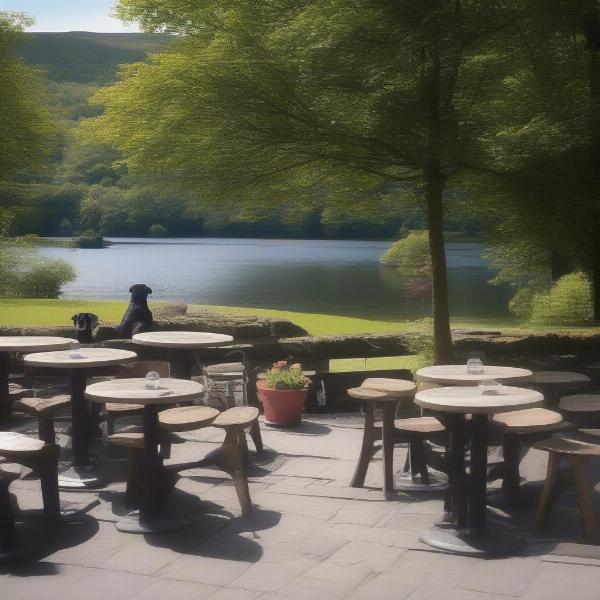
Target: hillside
85, 57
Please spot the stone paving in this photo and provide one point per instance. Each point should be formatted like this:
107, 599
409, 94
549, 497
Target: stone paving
311, 535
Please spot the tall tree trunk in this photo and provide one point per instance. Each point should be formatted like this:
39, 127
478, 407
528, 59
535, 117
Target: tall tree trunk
435, 183
439, 274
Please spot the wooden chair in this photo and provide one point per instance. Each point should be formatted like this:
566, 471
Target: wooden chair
41, 457
518, 428
385, 393
577, 448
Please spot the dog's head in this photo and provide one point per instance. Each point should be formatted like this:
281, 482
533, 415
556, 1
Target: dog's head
139, 291
85, 321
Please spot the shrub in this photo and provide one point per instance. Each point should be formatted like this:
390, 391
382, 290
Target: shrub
521, 304
410, 255
24, 274
568, 302
283, 376
157, 231
420, 341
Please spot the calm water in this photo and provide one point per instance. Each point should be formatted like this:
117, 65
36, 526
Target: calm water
331, 277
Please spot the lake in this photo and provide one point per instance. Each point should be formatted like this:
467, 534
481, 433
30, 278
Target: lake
323, 276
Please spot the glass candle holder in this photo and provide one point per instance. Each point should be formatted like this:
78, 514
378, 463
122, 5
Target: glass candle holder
152, 380
474, 366
489, 386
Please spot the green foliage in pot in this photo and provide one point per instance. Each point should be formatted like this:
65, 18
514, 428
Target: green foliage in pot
285, 376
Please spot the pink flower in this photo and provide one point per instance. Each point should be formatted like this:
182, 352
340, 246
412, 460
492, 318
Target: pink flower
280, 364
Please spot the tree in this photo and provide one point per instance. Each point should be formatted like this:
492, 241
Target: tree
542, 145
270, 100
26, 130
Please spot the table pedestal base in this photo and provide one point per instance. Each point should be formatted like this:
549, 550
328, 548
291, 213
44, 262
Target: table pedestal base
405, 481
163, 524
492, 542
79, 477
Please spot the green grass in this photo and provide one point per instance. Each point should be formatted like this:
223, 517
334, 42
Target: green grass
17, 312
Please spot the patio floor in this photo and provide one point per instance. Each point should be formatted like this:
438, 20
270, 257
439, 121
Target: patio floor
311, 535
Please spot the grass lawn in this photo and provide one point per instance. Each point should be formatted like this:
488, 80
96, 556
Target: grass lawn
58, 312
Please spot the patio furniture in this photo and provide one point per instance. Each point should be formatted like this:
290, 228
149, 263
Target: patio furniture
152, 517
518, 428
554, 384
139, 368
21, 344
577, 448
44, 410
583, 409
446, 375
41, 457
184, 342
468, 496
374, 432
82, 472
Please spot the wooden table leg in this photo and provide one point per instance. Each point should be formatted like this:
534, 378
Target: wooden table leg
80, 418
150, 508
478, 479
387, 436
5, 408
548, 493
457, 480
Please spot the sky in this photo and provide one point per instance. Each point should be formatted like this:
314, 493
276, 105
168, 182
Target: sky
69, 15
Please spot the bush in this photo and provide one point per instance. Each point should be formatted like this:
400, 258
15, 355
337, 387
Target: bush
410, 255
157, 231
24, 274
568, 302
521, 304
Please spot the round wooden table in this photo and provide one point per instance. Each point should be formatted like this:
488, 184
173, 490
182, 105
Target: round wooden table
186, 341
458, 375
82, 472
22, 343
468, 499
152, 518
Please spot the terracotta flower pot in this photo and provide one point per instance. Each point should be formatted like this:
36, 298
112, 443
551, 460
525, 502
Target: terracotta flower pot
282, 407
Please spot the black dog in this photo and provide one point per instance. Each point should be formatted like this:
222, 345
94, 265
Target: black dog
138, 317
85, 323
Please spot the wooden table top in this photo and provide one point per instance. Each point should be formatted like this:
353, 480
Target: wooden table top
181, 339
580, 403
34, 343
458, 374
126, 391
84, 359
474, 400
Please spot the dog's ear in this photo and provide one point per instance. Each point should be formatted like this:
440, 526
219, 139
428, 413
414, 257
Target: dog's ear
93, 321
74, 318
131, 290
148, 290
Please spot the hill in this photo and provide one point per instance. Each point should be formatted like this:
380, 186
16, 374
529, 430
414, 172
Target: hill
86, 57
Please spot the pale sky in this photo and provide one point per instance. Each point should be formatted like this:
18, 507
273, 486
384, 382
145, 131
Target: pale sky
69, 15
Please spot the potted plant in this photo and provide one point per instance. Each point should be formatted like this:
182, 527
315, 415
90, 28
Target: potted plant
282, 393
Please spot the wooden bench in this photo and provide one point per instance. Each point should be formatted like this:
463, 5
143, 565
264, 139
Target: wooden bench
577, 448
517, 428
41, 457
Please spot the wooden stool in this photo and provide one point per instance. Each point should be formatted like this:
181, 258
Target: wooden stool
132, 438
44, 410
416, 431
583, 409
37, 455
235, 450
553, 384
520, 427
388, 394
578, 448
